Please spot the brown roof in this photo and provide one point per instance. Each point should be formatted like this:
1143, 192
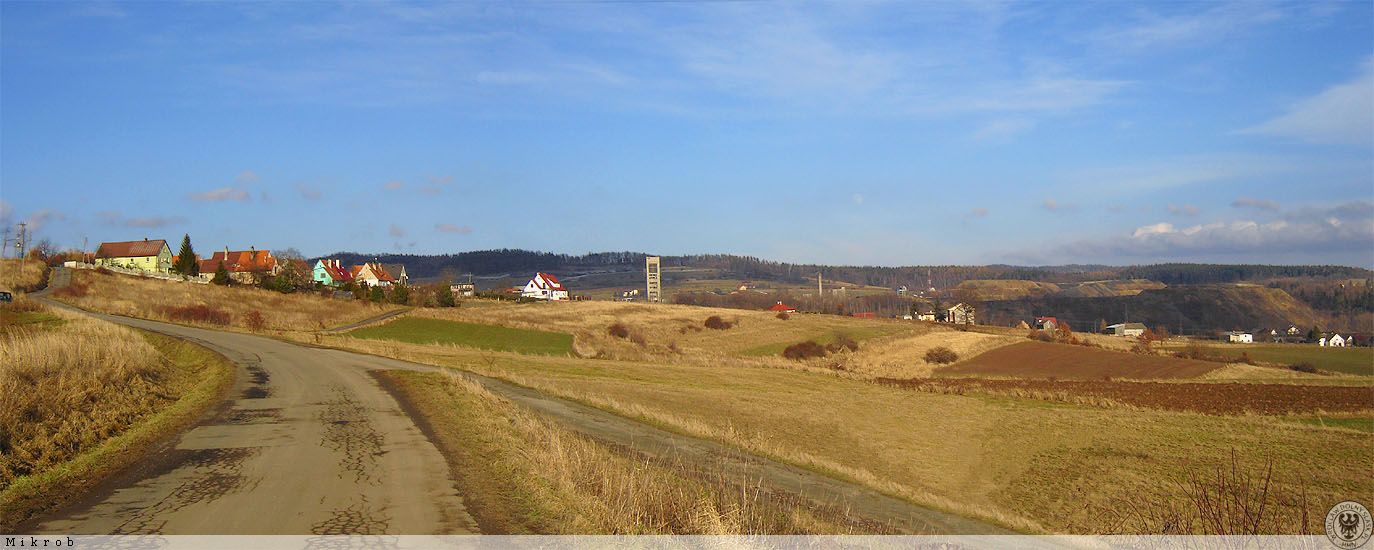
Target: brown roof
240, 261
130, 249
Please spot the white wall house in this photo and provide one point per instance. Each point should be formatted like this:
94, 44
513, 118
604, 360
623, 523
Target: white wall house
1335, 341
1238, 337
544, 287
961, 314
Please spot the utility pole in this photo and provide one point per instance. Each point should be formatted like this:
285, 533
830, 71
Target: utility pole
820, 289
21, 242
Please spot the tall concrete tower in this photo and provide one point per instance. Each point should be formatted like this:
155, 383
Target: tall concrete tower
652, 279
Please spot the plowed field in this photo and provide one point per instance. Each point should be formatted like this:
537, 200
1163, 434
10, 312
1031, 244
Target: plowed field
1031, 359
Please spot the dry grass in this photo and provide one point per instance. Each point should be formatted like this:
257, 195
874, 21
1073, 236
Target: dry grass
1021, 462
19, 274
526, 475
81, 398
161, 300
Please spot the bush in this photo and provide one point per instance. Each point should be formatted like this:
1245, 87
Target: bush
254, 320
941, 355
784, 316
1303, 367
198, 314
715, 322
804, 350
619, 330
842, 341
638, 339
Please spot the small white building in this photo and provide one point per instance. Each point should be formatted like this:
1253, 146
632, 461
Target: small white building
961, 314
463, 290
1129, 330
1335, 341
544, 287
1238, 337
925, 316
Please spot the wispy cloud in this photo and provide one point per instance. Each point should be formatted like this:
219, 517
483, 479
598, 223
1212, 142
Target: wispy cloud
1258, 204
1183, 209
1179, 172
1051, 205
396, 231
452, 228
1342, 114
150, 222
246, 177
40, 219
221, 195
394, 185
1002, 129
1149, 31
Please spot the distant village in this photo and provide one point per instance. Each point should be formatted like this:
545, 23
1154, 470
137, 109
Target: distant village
259, 267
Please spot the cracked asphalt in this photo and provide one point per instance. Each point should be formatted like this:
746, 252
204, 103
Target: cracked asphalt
307, 443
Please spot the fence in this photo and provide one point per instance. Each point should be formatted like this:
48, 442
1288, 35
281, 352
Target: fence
199, 279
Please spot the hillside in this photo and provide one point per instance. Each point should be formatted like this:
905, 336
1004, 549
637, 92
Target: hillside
1192, 309
1004, 289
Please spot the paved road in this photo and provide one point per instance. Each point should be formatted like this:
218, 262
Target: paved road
308, 443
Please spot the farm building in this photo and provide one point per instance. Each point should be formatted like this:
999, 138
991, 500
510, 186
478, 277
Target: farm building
331, 273
782, 308
1335, 341
1048, 324
961, 314
463, 290
928, 315
144, 255
244, 266
1129, 330
1240, 337
544, 287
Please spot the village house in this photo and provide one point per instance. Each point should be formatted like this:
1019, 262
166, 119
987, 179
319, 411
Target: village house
1047, 324
373, 274
961, 314
463, 290
1240, 337
1335, 341
927, 315
1128, 330
331, 273
144, 255
399, 271
544, 287
244, 266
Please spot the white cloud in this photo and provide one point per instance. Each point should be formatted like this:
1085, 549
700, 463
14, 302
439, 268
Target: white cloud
247, 176
452, 228
222, 194
1342, 114
40, 219
1151, 32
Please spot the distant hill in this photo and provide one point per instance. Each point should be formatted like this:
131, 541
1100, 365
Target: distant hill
1194, 308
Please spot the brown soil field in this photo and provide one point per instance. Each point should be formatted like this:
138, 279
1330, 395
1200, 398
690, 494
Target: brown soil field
1032, 359
1215, 399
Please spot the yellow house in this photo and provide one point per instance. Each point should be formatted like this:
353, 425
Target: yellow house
143, 255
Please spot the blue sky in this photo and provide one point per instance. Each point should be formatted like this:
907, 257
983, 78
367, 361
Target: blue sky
843, 133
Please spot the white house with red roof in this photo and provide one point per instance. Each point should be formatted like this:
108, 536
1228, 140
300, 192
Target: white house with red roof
544, 287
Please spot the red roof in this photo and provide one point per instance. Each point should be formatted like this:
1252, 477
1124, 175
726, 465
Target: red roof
240, 261
553, 283
336, 271
781, 307
1050, 319
130, 249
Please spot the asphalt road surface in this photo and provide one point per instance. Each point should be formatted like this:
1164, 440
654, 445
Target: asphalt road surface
309, 443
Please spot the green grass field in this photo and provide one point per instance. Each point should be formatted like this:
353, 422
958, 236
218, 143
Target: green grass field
416, 330
1343, 360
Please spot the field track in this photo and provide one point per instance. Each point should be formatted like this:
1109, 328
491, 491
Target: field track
1045, 360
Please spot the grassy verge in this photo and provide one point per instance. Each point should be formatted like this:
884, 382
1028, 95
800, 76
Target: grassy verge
1026, 464
417, 330
80, 430
1359, 361
520, 474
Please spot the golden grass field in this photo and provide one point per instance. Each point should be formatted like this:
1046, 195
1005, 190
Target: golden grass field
16, 274
153, 298
1025, 463
104, 393
521, 474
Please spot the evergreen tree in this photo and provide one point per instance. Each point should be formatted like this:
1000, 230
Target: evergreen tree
376, 294
186, 259
221, 275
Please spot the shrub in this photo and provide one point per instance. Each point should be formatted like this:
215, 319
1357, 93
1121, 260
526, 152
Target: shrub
784, 316
638, 339
804, 350
619, 330
941, 355
198, 314
1040, 335
842, 341
715, 322
1303, 367
254, 321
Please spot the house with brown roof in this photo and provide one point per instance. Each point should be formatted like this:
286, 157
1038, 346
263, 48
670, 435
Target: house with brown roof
373, 274
244, 266
144, 255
